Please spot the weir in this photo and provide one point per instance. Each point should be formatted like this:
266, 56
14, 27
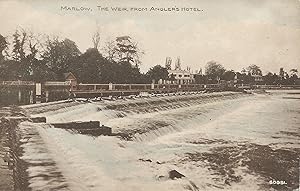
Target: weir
112, 112
160, 129
27, 92
87, 127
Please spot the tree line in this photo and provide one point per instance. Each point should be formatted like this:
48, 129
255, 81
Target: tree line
32, 57
215, 72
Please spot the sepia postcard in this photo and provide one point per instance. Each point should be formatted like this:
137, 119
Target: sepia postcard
144, 95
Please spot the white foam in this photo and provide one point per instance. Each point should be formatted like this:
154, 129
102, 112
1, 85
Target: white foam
108, 163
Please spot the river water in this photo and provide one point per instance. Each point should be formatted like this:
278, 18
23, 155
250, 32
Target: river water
218, 141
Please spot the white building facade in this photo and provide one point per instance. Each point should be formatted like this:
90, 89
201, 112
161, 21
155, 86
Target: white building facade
181, 76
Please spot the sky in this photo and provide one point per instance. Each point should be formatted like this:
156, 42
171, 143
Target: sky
234, 33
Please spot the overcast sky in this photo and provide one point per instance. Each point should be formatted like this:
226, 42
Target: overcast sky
235, 33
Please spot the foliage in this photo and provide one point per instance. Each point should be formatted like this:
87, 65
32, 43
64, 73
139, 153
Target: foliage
60, 55
92, 67
127, 73
30, 57
246, 78
3, 46
23, 54
254, 70
123, 50
9, 70
200, 79
228, 75
271, 79
96, 40
86, 68
158, 72
214, 71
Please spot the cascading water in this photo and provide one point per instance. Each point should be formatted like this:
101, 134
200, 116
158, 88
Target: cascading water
215, 140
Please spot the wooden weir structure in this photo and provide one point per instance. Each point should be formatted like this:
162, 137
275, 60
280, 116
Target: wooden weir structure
26, 92
92, 90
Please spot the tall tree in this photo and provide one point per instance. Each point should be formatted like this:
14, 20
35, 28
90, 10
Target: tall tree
110, 51
122, 50
60, 55
25, 51
96, 39
214, 71
19, 39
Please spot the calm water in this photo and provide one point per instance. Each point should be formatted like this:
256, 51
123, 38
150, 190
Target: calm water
219, 141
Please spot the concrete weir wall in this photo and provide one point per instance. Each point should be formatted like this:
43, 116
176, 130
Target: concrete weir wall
13, 168
89, 128
77, 125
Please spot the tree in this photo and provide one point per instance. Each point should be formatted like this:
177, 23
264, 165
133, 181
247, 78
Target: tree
87, 67
293, 72
270, 79
214, 71
248, 79
200, 79
294, 76
127, 73
254, 70
96, 40
91, 67
60, 55
3, 67
25, 52
228, 75
243, 78
243, 71
122, 50
110, 51
3, 46
9, 70
18, 52
158, 72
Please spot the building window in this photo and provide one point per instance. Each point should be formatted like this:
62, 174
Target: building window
179, 75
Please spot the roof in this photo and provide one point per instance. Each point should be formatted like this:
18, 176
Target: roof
68, 75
